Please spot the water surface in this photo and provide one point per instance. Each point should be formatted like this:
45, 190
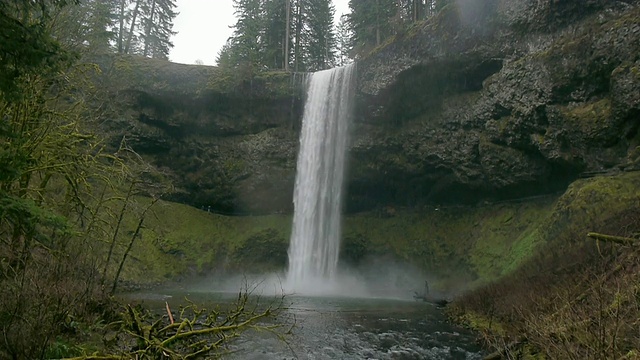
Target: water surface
348, 328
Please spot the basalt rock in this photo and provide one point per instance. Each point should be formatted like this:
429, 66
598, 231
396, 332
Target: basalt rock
487, 100
512, 99
228, 144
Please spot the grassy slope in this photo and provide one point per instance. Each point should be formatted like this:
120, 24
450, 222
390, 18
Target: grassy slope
181, 240
457, 245
574, 297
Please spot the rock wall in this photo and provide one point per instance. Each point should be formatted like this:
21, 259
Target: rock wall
228, 145
485, 101
512, 99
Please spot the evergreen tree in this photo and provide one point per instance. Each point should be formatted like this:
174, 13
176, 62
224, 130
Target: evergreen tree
157, 20
145, 27
321, 36
413, 10
343, 42
122, 21
131, 39
26, 44
245, 45
300, 39
86, 27
101, 17
314, 39
276, 34
371, 22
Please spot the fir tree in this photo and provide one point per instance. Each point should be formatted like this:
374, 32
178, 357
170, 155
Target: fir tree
343, 42
101, 17
276, 34
157, 20
321, 36
371, 22
244, 47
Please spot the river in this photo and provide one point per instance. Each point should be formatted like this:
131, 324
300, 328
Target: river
345, 328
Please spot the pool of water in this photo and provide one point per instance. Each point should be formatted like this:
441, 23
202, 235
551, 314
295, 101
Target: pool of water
346, 328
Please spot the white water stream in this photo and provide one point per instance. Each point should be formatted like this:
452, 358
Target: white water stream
315, 237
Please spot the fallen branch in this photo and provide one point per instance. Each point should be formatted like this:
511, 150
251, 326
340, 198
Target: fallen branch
615, 239
169, 313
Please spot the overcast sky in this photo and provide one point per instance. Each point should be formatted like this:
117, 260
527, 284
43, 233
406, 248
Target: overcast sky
203, 26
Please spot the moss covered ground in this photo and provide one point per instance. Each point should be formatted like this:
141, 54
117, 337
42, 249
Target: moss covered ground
573, 297
179, 240
461, 246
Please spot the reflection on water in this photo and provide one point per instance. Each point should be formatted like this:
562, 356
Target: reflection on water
349, 328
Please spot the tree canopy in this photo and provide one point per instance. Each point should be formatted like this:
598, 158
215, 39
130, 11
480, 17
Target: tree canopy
301, 35
281, 34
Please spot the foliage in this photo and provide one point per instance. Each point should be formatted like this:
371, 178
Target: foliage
373, 22
25, 44
179, 240
57, 184
157, 21
141, 27
272, 35
343, 39
321, 36
576, 297
191, 333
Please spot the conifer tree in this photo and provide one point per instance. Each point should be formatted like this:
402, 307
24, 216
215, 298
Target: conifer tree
371, 22
245, 45
321, 35
276, 34
299, 38
343, 42
157, 20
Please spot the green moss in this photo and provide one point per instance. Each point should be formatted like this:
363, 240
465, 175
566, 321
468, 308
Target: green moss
179, 239
473, 245
589, 203
480, 243
590, 118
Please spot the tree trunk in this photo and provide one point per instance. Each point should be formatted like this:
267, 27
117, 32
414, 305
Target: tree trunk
298, 35
132, 27
121, 28
621, 240
133, 239
148, 31
287, 36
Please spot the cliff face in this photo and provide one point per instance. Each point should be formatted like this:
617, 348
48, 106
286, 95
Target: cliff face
505, 99
511, 99
228, 145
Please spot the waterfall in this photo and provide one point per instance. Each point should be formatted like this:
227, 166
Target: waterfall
315, 237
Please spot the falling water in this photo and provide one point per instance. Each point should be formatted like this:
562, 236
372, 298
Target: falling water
315, 238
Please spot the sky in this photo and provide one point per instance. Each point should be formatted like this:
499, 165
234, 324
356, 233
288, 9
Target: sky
203, 26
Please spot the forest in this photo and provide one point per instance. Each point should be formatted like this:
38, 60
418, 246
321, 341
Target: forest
498, 156
70, 210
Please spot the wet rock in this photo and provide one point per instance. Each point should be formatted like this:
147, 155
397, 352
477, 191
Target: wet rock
445, 122
226, 149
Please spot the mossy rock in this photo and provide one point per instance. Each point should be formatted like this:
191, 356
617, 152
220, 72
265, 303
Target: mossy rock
594, 122
265, 250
